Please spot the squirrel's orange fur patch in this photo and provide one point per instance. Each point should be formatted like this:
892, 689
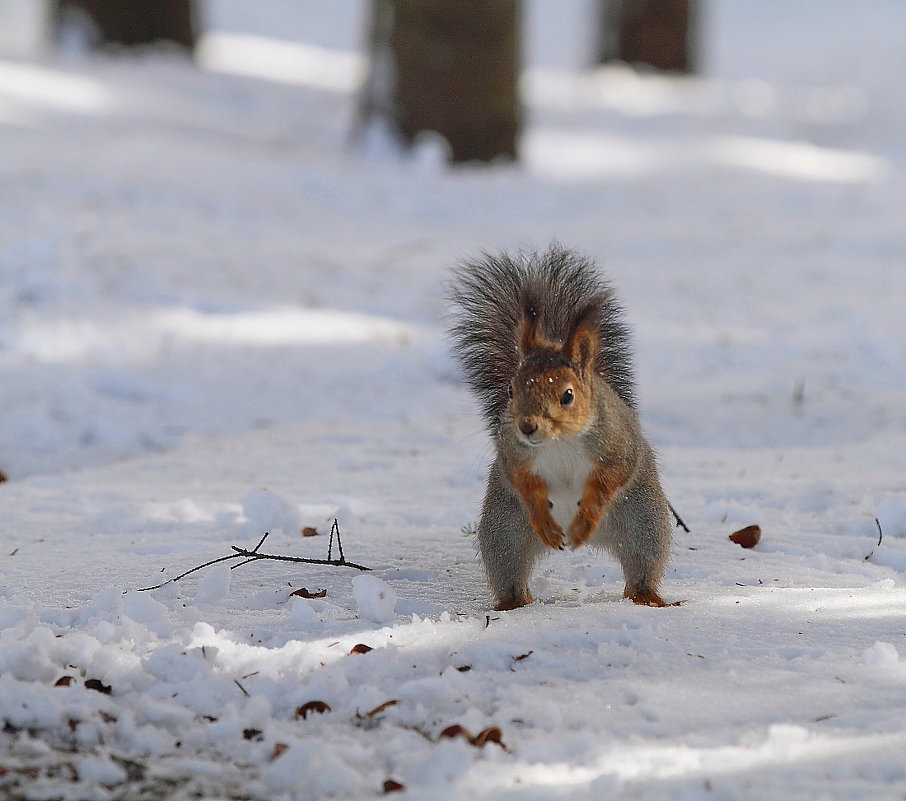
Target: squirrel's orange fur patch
600, 487
533, 491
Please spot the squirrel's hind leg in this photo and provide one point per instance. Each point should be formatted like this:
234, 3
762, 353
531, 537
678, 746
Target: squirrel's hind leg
509, 547
640, 537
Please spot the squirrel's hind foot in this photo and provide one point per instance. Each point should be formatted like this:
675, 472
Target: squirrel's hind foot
506, 604
647, 598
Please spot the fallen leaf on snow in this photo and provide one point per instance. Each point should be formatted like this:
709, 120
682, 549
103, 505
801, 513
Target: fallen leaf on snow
747, 537
381, 707
491, 734
302, 592
455, 731
310, 708
97, 684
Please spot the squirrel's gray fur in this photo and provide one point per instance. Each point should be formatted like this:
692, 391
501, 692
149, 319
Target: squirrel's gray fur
556, 289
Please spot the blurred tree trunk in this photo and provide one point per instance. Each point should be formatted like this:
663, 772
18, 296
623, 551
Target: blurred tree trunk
660, 34
137, 22
449, 66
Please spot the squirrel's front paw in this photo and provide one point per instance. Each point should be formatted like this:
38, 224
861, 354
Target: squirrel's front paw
580, 531
550, 534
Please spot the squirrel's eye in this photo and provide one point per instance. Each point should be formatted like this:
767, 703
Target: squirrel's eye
566, 398
509, 391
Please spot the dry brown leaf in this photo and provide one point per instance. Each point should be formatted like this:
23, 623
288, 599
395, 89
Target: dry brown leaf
491, 734
309, 531
310, 708
381, 707
302, 592
747, 537
393, 786
455, 731
279, 750
361, 648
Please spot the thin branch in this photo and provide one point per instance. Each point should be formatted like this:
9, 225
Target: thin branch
183, 575
254, 555
251, 556
336, 525
679, 521
880, 537
335, 529
254, 551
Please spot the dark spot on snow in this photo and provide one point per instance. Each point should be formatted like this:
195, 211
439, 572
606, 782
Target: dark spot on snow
310, 708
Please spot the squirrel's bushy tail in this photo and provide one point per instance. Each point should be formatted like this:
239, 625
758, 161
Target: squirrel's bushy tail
490, 295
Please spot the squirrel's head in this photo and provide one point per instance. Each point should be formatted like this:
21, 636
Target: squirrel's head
552, 394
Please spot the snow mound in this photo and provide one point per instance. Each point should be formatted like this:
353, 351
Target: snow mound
268, 511
375, 599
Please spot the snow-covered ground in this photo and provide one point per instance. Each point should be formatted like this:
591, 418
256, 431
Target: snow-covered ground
217, 320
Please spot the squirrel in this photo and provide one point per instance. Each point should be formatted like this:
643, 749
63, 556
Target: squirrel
542, 344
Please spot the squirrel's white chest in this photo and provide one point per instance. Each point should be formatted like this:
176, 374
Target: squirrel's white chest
564, 468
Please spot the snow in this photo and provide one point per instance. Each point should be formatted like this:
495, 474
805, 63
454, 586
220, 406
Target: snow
267, 511
216, 320
375, 599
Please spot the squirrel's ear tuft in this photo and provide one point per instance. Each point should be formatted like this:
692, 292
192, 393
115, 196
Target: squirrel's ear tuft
527, 333
581, 346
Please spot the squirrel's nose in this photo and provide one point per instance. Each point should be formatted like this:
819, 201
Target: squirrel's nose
527, 427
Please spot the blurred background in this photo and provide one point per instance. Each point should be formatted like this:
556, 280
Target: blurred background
461, 69
218, 216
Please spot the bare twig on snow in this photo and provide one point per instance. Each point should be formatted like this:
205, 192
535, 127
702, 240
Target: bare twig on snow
254, 555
